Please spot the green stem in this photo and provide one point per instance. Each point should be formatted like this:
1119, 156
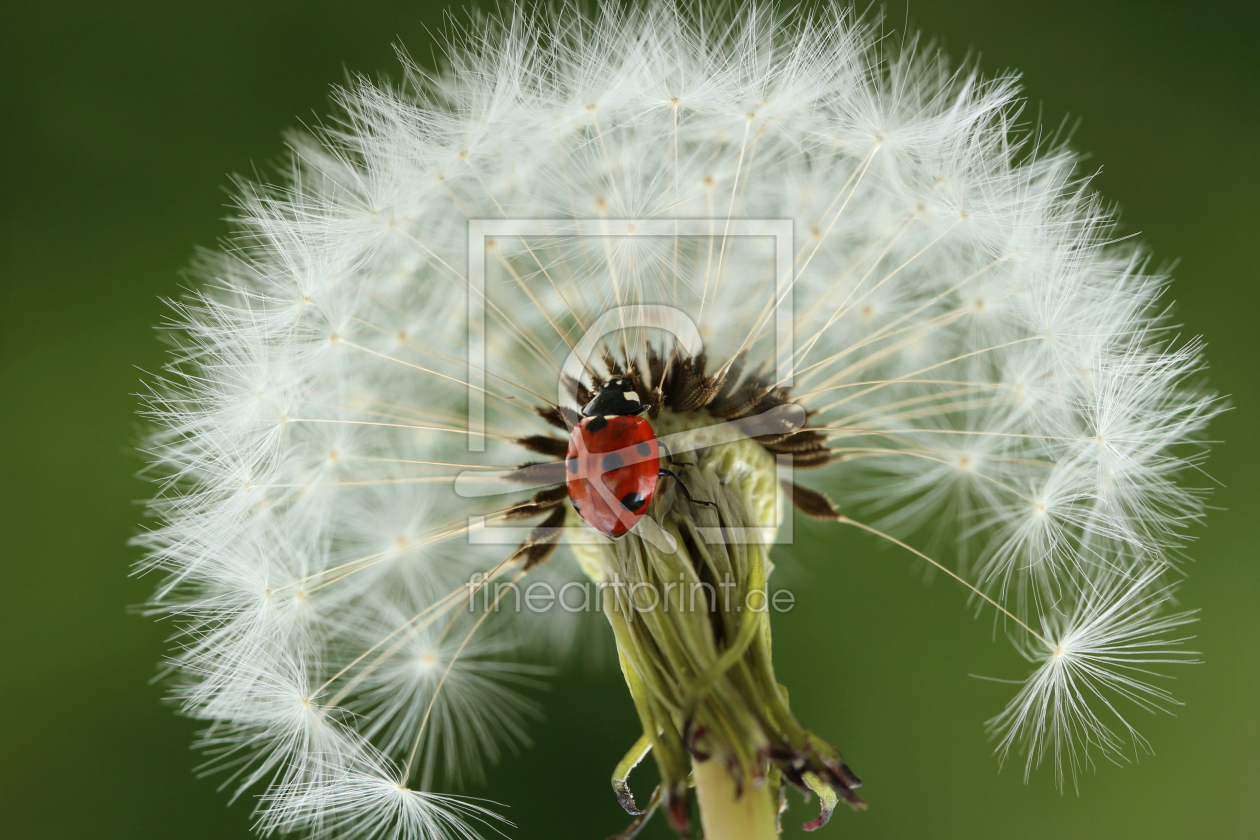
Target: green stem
750, 816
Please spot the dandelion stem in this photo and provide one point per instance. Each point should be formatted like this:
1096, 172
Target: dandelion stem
728, 814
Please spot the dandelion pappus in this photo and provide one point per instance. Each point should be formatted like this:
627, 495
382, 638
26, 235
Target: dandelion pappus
613, 461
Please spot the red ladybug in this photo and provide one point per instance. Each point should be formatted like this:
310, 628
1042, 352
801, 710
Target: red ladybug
614, 460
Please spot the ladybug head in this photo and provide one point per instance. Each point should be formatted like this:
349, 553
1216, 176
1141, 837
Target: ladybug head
615, 397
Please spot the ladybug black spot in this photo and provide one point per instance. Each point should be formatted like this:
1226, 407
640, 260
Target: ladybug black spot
597, 424
613, 461
644, 449
573, 464
632, 501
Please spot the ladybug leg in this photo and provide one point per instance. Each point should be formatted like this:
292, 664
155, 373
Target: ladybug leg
683, 487
670, 456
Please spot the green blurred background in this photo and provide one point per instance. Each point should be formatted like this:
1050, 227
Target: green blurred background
121, 125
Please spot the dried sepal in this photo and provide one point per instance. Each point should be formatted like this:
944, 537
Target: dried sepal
545, 445
542, 541
543, 500
811, 503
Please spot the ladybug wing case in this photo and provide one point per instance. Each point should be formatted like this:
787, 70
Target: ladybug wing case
611, 471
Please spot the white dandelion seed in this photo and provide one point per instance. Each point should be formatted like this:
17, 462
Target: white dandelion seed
1099, 652
981, 364
373, 804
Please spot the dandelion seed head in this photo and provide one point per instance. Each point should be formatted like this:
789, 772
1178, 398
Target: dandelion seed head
985, 369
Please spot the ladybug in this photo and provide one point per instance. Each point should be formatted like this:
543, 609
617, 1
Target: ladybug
614, 460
